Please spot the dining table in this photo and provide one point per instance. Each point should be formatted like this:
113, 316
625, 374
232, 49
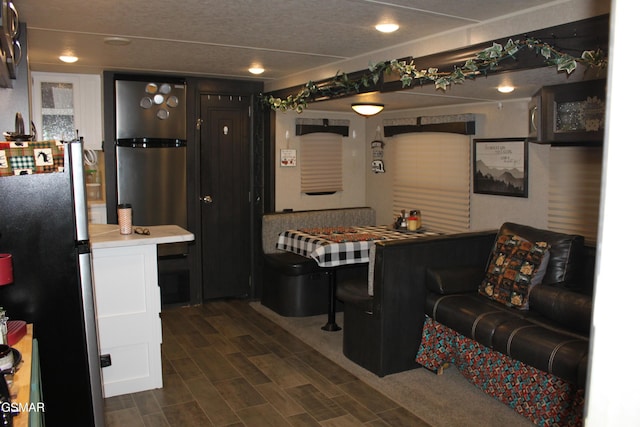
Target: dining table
334, 247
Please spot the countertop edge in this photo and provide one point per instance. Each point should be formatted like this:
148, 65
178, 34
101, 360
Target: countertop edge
108, 236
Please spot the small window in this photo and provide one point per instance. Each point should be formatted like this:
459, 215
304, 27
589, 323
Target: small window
432, 174
321, 163
57, 111
575, 177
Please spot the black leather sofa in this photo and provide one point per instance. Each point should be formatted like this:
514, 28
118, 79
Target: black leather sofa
382, 332
552, 335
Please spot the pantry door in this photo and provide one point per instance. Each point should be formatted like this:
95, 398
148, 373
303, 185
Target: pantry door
224, 198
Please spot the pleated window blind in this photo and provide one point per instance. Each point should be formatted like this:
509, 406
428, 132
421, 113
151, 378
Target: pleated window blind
574, 190
320, 163
432, 174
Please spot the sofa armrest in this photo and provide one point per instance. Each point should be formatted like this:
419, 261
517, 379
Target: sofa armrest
447, 281
568, 308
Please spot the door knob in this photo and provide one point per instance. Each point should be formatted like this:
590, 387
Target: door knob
207, 199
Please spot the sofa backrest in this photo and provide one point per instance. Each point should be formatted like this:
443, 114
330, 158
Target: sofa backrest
566, 261
277, 222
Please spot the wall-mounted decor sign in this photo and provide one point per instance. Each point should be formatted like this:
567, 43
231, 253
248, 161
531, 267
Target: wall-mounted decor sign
500, 167
287, 157
377, 147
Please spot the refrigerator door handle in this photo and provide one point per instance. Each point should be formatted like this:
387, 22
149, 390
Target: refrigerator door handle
75, 163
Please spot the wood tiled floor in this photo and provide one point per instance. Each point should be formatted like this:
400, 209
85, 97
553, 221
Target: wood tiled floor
226, 365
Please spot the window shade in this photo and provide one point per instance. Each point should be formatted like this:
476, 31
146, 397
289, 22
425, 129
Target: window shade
320, 163
574, 190
432, 174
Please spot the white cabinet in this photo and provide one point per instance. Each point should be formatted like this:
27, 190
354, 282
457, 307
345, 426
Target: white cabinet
128, 305
64, 103
127, 298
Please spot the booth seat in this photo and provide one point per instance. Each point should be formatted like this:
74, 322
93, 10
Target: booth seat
294, 285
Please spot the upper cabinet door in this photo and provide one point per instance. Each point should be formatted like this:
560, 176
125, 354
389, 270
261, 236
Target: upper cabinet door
68, 105
569, 114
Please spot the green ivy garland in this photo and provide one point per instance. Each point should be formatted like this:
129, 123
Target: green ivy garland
482, 63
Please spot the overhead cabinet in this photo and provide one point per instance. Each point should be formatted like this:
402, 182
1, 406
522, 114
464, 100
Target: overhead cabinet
568, 114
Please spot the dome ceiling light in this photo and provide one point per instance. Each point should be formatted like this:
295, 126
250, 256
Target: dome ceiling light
256, 69
387, 27
367, 109
69, 59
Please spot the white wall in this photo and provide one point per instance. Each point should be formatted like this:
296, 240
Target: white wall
364, 187
612, 389
288, 195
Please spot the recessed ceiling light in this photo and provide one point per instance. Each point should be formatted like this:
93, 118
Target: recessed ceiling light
387, 27
69, 59
256, 70
505, 89
117, 41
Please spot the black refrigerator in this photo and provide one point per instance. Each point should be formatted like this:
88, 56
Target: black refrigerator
44, 226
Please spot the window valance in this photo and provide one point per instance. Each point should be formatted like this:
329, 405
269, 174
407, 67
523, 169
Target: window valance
464, 124
305, 126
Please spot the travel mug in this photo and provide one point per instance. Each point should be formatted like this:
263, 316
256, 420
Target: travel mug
6, 269
124, 218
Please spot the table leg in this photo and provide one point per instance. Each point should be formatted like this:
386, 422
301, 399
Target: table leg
331, 325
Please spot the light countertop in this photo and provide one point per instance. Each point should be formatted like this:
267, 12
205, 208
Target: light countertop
22, 377
108, 236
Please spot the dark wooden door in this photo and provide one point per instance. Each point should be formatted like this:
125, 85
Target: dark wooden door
224, 198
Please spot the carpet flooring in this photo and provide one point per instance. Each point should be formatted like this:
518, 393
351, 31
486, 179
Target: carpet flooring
447, 400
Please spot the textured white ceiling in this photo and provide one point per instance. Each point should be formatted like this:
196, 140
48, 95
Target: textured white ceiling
223, 38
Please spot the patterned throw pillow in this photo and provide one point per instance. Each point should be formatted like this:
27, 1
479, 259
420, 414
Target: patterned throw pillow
516, 266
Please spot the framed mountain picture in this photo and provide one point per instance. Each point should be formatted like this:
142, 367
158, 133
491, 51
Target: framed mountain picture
500, 166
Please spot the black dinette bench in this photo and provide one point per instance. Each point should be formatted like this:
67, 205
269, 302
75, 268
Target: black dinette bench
295, 285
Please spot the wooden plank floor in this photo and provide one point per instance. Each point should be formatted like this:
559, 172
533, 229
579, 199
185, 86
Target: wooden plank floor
226, 365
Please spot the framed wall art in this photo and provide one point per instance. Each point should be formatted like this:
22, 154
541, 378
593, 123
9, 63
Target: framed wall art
288, 158
500, 167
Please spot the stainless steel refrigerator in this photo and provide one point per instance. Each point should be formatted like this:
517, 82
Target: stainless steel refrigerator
44, 226
151, 152
151, 168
